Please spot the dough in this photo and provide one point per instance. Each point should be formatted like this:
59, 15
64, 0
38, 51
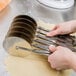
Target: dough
32, 64
18, 52
30, 67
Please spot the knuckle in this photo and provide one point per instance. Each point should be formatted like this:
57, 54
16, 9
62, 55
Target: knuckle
49, 59
53, 66
58, 25
59, 47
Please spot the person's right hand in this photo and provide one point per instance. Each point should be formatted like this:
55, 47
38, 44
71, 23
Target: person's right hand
62, 58
63, 28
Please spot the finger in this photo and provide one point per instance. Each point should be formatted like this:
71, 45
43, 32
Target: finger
62, 68
52, 48
56, 27
55, 32
50, 58
60, 47
51, 61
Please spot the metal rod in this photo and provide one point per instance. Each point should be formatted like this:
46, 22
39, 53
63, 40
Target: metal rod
42, 52
47, 39
40, 46
43, 29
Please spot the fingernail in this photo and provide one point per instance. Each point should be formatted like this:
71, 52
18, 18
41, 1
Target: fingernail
49, 34
52, 46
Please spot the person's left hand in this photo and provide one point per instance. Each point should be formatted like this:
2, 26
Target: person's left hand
60, 58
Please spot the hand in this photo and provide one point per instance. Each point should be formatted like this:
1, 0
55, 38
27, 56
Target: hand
63, 28
61, 57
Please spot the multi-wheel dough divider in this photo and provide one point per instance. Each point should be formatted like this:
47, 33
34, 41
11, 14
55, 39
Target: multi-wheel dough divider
24, 27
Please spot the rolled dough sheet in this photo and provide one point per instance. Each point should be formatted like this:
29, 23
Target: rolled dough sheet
32, 64
17, 52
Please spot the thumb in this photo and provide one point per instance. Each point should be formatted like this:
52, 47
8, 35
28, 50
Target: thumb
53, 33
52, 48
